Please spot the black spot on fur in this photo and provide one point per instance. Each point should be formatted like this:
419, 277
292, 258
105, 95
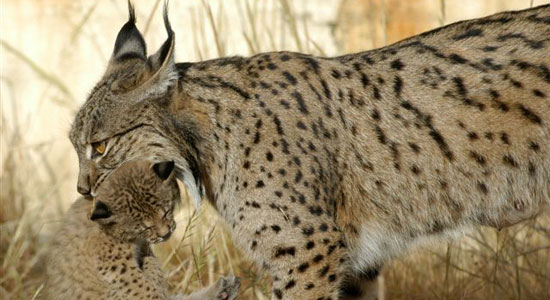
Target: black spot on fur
480, 159
457, 59
380, 134
300, 100
303, 267
290, 284
397, 65
376, 93
510, 161
375, 114
283, 251
318, 258
278, 125
534, 146
307, 231
364, 79
504, 138
538, 93
531, 116
414, 147
397, 86
483, 188
460, 87
290, 78
470, 33
533, 44
324, 271
326, 89
489, 49
285, 57
276, 228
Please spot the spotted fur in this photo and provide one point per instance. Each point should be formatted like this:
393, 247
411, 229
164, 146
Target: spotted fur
325, 168
110, 257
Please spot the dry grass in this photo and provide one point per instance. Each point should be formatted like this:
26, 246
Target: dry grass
38, 166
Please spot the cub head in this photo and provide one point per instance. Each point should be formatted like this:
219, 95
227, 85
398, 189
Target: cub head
137, 202
127, 114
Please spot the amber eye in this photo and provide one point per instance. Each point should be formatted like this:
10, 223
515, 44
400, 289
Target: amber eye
99, 147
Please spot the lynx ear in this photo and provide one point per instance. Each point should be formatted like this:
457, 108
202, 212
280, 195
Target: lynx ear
153, 75
129, 43
161, 66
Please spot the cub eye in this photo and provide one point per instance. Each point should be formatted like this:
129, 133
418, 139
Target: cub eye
99, 148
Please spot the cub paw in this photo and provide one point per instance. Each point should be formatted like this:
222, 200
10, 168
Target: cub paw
227, 288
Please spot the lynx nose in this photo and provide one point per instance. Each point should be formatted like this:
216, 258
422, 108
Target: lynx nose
83, 190
83, 184
165, 232
166, 236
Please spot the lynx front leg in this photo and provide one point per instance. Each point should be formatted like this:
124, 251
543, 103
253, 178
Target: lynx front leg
368, 285
304, 253
311, 267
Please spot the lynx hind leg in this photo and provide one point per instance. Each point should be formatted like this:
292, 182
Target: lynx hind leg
515, 212
226, 288
368, 285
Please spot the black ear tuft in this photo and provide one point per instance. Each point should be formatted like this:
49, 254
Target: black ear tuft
101, 211
165, 53
129, 42
164, 169
131, 12
166, 20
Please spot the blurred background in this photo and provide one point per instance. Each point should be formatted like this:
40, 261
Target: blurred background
53, 52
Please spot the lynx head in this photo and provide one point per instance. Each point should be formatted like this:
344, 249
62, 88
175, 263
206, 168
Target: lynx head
137, 202
126, 116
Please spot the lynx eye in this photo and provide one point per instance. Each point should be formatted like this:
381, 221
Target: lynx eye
99, 148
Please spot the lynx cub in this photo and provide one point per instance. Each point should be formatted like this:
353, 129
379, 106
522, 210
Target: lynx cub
102, 249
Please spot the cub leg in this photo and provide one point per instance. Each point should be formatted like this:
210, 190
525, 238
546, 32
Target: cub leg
226, 288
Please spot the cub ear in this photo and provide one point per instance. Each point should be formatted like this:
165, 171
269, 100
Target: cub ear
100, 211
129, 43
164, 169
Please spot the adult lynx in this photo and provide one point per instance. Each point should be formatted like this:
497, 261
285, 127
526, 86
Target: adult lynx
325, 168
